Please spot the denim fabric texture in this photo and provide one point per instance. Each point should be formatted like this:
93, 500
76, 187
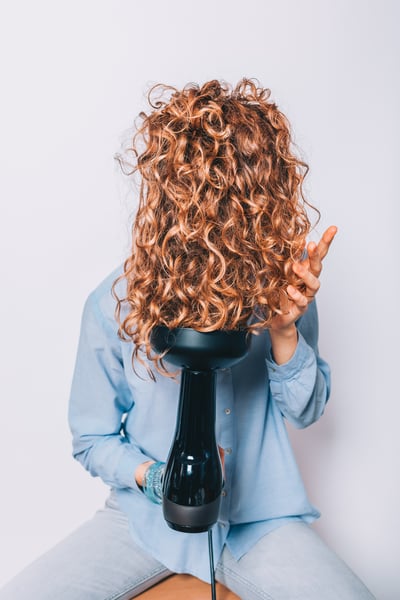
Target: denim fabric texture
100, 561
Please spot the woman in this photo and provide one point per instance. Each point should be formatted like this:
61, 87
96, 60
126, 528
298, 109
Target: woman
219, 242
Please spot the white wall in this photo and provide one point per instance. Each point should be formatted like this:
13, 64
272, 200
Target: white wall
73, 79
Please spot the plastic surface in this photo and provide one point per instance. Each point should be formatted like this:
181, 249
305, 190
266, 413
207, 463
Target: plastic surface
193, 474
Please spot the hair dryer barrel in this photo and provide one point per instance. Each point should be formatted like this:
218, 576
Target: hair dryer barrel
193, 475
193, 478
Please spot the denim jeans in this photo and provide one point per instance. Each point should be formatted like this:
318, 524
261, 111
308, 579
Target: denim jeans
100, 561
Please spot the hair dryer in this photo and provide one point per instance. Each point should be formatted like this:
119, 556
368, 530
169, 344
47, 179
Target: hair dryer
193, 477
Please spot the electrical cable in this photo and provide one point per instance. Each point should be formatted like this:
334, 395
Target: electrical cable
212, 571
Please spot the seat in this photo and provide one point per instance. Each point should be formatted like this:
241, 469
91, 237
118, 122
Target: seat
185, 587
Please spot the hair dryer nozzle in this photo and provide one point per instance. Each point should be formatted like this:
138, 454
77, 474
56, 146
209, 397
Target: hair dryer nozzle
200, 351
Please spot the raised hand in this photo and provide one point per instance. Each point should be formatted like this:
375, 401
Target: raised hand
282, 329
317, 252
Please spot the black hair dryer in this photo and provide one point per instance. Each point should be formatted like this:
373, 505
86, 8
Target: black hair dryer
193, 477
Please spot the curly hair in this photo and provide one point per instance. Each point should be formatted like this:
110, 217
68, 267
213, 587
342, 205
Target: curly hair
221, 216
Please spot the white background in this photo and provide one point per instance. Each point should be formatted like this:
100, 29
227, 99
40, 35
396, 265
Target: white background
73, 79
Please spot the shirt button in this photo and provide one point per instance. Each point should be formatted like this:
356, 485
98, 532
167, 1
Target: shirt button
223, 493
221, 524
228, 450
227, 411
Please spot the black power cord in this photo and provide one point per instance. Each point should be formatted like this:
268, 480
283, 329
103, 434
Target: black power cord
212, 571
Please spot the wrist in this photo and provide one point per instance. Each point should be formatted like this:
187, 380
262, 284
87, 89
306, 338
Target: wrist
283, 343
289, 332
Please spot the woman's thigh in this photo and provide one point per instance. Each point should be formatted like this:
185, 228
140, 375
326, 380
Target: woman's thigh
290, 563
98, 561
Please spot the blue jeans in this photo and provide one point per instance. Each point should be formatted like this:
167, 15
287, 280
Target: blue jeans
100, 561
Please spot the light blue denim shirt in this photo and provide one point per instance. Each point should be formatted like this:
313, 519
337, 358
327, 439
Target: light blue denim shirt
119, 420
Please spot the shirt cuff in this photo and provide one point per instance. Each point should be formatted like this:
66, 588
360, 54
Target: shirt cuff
300, 359
126, 470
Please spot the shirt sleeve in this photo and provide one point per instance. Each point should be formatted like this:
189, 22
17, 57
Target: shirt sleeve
99, 399
301, 387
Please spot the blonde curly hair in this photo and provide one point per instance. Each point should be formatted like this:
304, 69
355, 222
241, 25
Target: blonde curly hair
221, 217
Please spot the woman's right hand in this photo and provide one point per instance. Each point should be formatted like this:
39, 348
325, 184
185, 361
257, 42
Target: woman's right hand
140, 471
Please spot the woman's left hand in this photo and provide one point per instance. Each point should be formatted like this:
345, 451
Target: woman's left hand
283, 329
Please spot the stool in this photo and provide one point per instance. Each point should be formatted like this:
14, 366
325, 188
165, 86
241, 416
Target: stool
184, 587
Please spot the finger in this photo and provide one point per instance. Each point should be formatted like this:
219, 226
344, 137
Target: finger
314, 259
284, 302
221, 454
307, 276
222, 457
299, 299
316, 253
326, 240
